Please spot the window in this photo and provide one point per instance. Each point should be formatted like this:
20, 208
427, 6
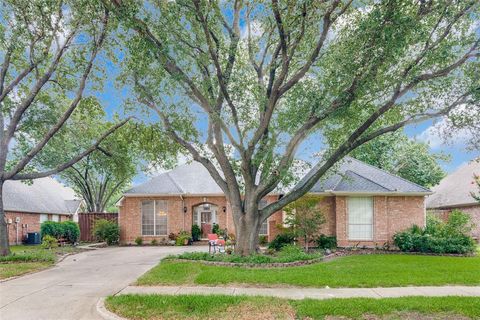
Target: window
43, 217
55, 217
154, 218
360, 218
264, 227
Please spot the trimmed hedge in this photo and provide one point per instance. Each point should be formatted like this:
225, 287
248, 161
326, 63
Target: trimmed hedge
68, 230
438, 236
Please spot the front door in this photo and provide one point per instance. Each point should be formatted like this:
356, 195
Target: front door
206, 223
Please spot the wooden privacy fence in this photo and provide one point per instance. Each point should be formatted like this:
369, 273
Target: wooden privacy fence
86, 221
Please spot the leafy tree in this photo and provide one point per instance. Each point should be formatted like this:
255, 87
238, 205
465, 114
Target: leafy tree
407, 158
305, 217
243, 86
49, 51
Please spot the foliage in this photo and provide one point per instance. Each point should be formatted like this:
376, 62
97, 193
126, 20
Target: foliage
263, 240
30, 256
105, 230
71, 231
200, 306
183, 236
52, 228
154, 242
305, 218
288, 253
355, 271
172, 236
49, 242
68, 230
196, 232
282, 239
241, 87
216, 229
402, 156
451, 236
326, 242
139, 241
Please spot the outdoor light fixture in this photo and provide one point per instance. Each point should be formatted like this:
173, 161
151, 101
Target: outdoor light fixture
184, 209
206, 206
224, 209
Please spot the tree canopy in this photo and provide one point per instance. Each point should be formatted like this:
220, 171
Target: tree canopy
244, 85
407, 158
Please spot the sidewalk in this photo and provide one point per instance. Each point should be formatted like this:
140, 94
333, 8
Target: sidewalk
310, 293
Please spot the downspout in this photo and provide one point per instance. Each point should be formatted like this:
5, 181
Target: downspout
183, 211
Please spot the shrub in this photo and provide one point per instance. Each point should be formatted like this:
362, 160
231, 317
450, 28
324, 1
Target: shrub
438, 236
154, 242
107, 231
71, 231
49, 242
172, 236
281, 240
196, 232
29, 256
139, 241
182, 237
216, 228
263, 240
52, 228
326, 242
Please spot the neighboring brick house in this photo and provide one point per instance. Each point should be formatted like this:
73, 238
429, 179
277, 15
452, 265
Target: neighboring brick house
27, 205
454, 192
363, 205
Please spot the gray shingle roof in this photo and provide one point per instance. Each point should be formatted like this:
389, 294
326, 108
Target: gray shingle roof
45, 195
351, 176
192, 178
454, 189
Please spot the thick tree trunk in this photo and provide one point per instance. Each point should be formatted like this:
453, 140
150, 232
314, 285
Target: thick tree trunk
4, 245
247, 228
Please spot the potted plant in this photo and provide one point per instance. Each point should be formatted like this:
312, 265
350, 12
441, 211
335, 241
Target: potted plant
196, 232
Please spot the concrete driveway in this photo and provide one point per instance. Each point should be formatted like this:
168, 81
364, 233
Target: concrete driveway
71, 289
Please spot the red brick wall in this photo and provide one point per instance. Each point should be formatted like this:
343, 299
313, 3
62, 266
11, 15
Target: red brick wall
29, 222
391, 214
130, 215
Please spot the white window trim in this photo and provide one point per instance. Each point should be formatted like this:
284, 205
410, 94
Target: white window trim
348, 220
154, 219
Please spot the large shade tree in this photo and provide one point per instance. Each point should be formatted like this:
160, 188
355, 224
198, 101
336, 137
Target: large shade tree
244, 86
48, 57
410, 159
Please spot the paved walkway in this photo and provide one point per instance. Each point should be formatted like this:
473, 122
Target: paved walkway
312, 293
71, 289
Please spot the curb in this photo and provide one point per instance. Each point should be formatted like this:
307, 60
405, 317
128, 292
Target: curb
105, 313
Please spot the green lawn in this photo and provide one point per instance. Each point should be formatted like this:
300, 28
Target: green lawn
352, 271
24, 259
241, 307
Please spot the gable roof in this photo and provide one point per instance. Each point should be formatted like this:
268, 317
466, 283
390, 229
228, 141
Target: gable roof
355, 176
44, 195
192, 178
352, 176
455, 188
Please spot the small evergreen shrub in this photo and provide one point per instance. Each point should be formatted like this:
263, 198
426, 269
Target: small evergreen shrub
138, 241
451, 236
216, 228
262, 240
182, 237
196, 232
49, 242
71, 231
281, 240
107, 231
52, 228
326, 242
154, 242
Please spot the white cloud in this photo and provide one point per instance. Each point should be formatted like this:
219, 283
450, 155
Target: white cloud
435, 135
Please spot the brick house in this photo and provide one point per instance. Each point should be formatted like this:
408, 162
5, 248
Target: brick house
28, 205
454, 192
363, 205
